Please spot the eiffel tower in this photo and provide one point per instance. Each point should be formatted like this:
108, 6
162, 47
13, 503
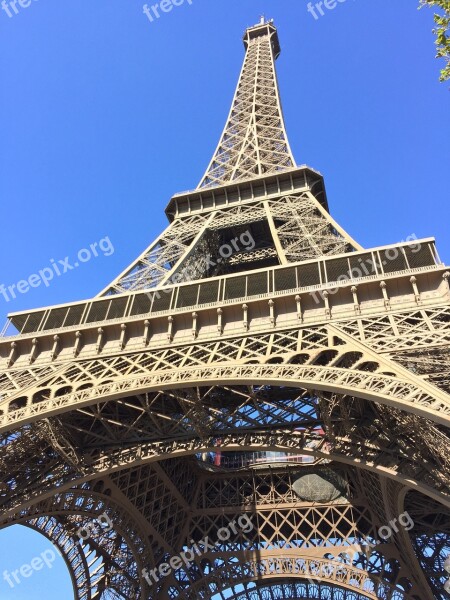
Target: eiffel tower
257, 407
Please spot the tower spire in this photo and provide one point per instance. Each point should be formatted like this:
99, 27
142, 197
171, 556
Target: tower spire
254, 141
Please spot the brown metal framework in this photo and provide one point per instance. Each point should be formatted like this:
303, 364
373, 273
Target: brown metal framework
298, 380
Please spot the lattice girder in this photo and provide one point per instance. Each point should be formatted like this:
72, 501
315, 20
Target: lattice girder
430, 540
156, 262
254, 140
279, 525
113, 555
181, 251
320, 349
290, 590
375, 456
384, 389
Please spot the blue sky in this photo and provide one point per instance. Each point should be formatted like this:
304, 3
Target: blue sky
104, 115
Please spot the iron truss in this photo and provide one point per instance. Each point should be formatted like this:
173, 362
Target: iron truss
159, 416
254, 142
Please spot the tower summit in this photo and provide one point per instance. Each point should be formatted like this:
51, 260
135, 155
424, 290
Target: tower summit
257, 407
264, 28
254, 141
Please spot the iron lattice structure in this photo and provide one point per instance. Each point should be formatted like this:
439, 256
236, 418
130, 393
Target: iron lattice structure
298, 381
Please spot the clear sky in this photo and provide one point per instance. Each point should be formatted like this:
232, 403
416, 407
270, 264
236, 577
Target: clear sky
104, 115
